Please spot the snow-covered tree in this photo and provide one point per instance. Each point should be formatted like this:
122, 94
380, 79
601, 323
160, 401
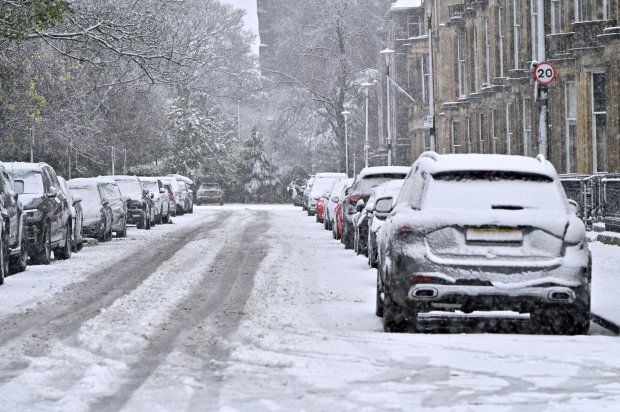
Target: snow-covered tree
257, 175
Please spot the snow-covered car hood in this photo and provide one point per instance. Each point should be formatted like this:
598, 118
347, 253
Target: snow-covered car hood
30, 200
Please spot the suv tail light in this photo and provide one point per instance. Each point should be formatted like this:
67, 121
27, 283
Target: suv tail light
170, 196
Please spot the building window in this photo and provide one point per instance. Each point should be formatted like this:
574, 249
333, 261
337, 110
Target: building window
425, 76
570, 95
606, 9
599, 123
556, 16
578, 10
481, 133
476, 73
493, 131
487, 52
457, 144
414, 26
500, 43
460, 55
508, 128
534, 28
516, 23
527, 126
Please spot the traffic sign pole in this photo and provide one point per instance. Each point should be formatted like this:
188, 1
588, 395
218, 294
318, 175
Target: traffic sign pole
544, 74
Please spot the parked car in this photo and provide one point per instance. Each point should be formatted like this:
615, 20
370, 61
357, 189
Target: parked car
484, 233
46, 210
210, 193
296, 191
118, 203
96, 209
179, 205
323, 210
13, 247
376, 219
321, 183
366, 180
77, 215
339, 201
172, 203
159, 194
362, 219
186, 185
139, 203
306, 193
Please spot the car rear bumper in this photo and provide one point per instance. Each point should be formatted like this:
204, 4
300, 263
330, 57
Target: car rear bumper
135, 216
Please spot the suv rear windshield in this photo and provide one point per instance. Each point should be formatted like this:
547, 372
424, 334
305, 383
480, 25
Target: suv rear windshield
129, 187
492, 190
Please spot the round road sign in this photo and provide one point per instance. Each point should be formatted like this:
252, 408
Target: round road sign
544, 73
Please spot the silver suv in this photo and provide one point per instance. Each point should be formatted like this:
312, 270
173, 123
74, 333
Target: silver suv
483, 233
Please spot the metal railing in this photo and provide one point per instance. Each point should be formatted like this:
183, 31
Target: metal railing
598, 197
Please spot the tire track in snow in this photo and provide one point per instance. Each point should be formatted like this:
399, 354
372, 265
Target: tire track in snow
31, 333
193, 346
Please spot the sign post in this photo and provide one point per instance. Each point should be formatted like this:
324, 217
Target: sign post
544, 74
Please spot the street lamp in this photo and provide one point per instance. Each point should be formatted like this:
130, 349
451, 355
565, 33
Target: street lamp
366, 89
346, 114
387, 53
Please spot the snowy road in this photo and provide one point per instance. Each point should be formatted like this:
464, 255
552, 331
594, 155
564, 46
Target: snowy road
257, 308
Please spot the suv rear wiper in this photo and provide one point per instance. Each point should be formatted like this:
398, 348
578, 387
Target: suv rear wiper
507, 207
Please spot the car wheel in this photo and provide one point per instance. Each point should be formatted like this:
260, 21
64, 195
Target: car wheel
379, 300
394, 316
44, 256
64, 252
20, 262
4, 257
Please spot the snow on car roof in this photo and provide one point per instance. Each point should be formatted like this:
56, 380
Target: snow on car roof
381, 170
328, 174
435, 163
82, 182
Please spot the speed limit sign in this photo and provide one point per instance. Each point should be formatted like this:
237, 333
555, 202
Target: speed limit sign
544, 73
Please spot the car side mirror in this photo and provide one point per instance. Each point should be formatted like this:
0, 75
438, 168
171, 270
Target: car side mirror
359, 206
163, 191
335, 199
105, 201
574, 206
18, 186
383, 205
52, 192
77, 199
152, 195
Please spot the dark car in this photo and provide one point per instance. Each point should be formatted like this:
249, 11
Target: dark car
210, 193
13, 250
46, 209
140, 205
96, 210
118, 203
366, 180
475, 232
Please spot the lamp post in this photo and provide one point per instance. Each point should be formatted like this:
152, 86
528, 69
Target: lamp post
431, 90
387, 53
346, 141
366, 88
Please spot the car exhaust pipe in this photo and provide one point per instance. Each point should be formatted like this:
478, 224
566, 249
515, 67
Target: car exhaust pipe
422, 292
562, 295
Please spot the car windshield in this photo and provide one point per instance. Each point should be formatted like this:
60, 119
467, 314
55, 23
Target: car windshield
33, 181
210, 186
322, 184
89, 194
111, 191
150, 185
128, 187
371, 181
492, 190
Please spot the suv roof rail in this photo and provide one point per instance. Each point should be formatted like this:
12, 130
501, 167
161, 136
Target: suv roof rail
541, 158
431, 155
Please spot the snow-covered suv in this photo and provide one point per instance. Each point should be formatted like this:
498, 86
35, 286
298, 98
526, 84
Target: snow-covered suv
484, 232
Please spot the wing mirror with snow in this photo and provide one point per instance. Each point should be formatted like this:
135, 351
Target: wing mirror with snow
383, 205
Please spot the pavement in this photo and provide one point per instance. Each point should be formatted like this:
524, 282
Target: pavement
605, 247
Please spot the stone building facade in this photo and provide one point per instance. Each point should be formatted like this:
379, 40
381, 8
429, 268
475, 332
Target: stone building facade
485, 100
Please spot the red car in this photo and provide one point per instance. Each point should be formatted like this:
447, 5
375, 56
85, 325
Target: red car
320, 210
337, 230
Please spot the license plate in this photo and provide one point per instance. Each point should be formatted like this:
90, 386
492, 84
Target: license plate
494, 234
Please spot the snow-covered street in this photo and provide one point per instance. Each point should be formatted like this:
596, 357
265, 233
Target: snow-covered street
257, 308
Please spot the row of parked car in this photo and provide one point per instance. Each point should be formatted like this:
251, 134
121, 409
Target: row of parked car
470, 232
42, 214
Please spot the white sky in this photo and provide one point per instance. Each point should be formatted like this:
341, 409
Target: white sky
251, 19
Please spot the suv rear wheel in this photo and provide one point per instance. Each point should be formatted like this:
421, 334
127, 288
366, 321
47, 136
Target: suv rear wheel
20, 262
4, 256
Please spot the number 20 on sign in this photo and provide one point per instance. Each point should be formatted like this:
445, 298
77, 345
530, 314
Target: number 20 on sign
544, 73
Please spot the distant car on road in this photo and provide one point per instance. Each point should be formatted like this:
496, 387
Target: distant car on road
210, 193
473, 232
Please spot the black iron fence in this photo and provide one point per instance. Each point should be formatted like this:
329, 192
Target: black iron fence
598, 197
